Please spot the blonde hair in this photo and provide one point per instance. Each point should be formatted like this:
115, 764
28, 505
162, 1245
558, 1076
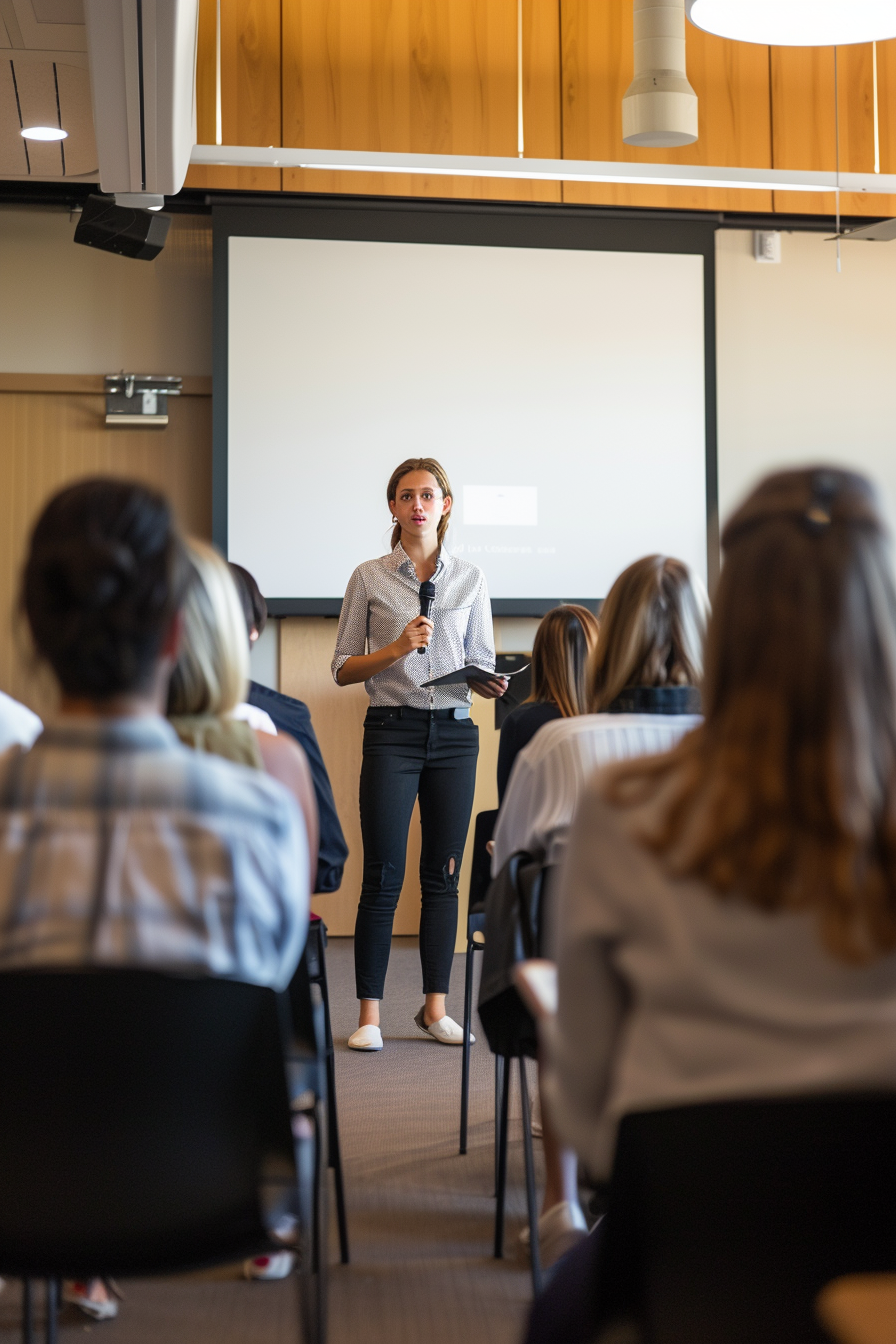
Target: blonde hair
212, 669
652, 625
787, 792
564, 643
435, 469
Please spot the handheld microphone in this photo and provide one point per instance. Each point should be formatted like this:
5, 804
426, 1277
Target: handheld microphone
427, 599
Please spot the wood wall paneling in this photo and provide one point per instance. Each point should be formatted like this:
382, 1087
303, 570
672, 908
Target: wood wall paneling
804, 123
250, 89
48, 439
420, 76
306, 648
732, 84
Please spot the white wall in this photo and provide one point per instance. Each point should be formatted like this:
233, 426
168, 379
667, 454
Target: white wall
806, 360
70, 309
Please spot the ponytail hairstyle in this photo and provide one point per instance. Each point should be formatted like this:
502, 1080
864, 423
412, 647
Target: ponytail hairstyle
652, 626
786, 795
564, 642
105, 574
435, 469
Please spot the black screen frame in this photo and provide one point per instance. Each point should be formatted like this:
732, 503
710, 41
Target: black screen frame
460, 223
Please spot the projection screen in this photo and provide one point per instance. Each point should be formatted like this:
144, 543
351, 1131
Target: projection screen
563, 388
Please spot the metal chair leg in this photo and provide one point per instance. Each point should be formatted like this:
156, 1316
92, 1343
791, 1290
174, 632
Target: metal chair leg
501, 1190
499, 1086
27, 1311
465, 1060
531, 1191
53, 1296
335, 1148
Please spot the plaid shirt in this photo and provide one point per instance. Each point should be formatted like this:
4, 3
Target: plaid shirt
119, 846
383, 596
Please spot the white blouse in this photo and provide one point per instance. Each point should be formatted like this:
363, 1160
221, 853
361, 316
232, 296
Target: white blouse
383, 596
550, 773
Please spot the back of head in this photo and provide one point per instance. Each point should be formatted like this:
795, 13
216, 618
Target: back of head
213, 666
255, 609
652, 626
787, 793
104, 577
563, 644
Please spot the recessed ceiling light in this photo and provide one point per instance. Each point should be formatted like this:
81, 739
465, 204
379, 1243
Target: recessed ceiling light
796, 23
44, 133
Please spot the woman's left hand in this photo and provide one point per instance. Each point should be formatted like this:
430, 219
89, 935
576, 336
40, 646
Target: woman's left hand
492, 689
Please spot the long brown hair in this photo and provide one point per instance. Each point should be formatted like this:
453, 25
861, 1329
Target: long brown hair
652, 625
563, 645
787, 793
435, 469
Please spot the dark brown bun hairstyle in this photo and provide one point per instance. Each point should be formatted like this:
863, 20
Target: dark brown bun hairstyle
105, 574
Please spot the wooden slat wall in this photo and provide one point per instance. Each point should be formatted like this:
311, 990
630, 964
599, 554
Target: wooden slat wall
48, 439
250, 89
420, 76
429, 77
730, 79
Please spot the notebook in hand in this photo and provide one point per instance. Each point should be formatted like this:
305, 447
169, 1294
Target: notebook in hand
470, 673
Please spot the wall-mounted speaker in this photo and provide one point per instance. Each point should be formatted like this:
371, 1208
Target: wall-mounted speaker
117, 228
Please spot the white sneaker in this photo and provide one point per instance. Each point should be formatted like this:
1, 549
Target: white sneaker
266, 1268
559, 1229
366, 1038
446, 1031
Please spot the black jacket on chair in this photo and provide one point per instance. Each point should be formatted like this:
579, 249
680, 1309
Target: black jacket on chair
513, 922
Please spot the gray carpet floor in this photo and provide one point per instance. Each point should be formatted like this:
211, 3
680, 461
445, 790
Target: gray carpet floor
421, 1217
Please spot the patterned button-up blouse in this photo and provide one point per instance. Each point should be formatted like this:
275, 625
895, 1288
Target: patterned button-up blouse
383, 596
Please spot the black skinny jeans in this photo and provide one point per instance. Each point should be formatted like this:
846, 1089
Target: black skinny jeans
410, 754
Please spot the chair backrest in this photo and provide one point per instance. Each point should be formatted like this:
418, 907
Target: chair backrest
513, 932
142, 1114
481, 861
725, 1220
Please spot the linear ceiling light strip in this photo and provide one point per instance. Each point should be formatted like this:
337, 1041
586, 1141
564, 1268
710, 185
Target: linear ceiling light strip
543, 170
874, 98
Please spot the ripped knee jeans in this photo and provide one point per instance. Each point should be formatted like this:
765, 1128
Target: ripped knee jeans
430, 758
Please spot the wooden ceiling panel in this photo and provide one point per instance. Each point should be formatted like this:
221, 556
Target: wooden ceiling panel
250, 88
732, 85
77, 118
420, 76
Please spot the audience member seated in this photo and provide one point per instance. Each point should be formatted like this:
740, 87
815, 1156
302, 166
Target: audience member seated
642, 692
726, 915
209, 682
117, 845
292, 716
19, 726
563, 642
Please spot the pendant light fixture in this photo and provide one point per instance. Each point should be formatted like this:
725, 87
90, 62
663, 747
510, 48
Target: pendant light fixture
796, 23
659, 107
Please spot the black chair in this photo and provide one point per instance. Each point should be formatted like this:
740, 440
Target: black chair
480, 877
514, 913
317, 972
153, 1124
725, 1220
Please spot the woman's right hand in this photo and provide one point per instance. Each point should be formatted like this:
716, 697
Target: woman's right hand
416, 635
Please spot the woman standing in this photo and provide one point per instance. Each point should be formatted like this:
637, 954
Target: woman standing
418, 742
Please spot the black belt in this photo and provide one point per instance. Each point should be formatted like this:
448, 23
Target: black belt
411, 712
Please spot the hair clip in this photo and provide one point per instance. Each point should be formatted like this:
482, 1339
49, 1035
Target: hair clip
818, 511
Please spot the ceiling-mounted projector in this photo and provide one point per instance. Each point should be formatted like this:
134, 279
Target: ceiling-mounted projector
142, 56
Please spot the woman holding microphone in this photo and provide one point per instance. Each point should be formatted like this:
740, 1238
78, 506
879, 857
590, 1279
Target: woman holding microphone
418, 742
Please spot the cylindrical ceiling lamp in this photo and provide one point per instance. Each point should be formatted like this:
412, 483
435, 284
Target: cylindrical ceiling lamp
660, 107
796, 23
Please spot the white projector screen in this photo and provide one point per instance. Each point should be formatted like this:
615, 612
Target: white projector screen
562, 390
